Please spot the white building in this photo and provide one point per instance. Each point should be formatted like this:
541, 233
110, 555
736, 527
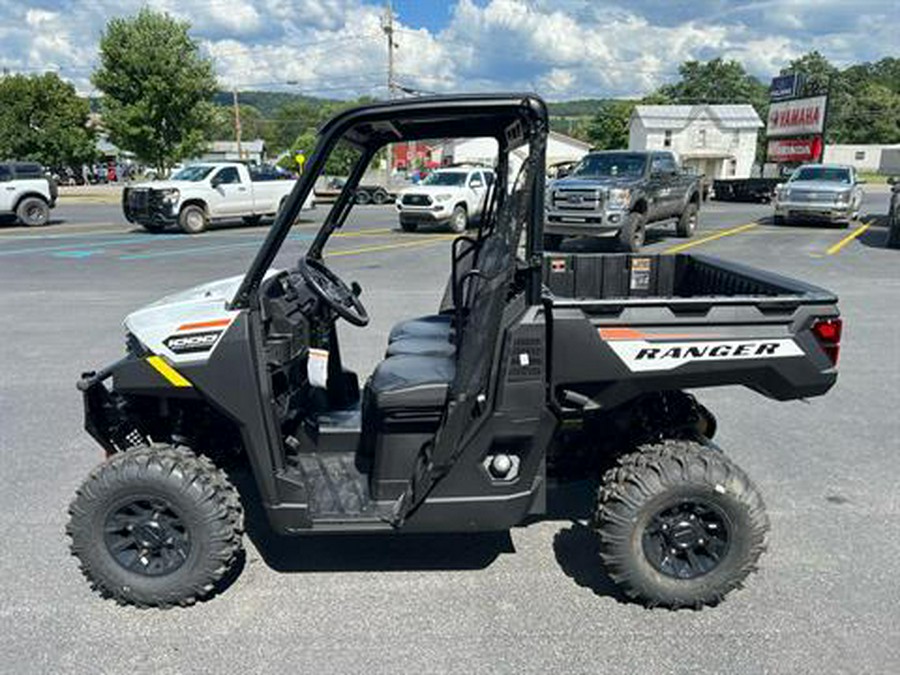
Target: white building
716, 140
560, 148
875, 158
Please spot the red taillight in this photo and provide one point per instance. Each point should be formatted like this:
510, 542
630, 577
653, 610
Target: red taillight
828, 333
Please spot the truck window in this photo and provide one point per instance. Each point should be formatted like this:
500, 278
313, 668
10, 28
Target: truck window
611, 164
28, 170
5, 174
227, 176
664, 163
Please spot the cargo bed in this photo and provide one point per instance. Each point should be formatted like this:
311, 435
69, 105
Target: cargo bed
622, 324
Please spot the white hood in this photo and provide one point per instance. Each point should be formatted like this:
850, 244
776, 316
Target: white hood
186, 312
165, 184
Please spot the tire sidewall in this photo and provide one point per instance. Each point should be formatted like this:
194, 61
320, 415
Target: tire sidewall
687, 223
459, 220
633, 234
184, 219
30, 203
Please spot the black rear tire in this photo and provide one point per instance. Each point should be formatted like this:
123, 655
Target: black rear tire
33, 212
679, 525
156, 527
687, 222
153, 228
634, 230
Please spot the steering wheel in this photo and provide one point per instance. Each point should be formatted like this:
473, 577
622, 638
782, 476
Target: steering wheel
333, 291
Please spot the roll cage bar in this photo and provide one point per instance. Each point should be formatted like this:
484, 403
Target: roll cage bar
513, 120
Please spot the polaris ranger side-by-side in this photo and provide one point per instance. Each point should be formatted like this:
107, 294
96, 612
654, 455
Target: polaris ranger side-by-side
537, 369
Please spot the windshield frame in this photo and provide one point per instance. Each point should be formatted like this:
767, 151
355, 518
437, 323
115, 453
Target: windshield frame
847, 178
206, 169
602, 156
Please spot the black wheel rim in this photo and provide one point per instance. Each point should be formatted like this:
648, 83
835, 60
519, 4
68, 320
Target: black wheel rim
146, 536
687, 540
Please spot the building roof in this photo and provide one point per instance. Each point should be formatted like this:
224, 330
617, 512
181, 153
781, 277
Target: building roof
738, 116
568, 140
256, 146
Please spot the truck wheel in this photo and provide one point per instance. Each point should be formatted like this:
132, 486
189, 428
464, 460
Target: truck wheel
154, 228
156, 527
687, 223
679, 525
459, 219
631, 236
192, 219
407, 226
552, 242
33, 212
363, 197
379, 196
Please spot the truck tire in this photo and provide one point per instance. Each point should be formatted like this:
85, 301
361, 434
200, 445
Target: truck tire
363, 197
459, 219
156, 527
33, 212
379, 197
687, 222
634, 230
552, 242
408, 226
192, 219
153, 228
679, 525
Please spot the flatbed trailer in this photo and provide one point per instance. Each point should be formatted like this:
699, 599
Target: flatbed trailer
745, 189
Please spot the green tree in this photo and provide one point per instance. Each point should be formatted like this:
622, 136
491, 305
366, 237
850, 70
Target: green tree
608, 129
157, 88
871, 116
43, 119
253, 125
717, 82
818, 71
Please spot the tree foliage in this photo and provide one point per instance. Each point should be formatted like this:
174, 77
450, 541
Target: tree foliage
43, 119
157, 88
608, 129
253, 124
716, 82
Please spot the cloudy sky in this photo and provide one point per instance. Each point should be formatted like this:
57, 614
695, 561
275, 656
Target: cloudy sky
560, 48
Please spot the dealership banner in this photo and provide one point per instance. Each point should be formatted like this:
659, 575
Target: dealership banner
795, 150
798, 117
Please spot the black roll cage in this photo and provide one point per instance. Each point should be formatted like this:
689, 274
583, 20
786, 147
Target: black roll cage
512, 119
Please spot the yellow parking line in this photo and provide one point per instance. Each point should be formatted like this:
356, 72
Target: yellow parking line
388, 247
364, 233
850, 237
712, 237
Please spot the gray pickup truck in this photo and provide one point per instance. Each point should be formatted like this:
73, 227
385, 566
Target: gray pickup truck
617, 194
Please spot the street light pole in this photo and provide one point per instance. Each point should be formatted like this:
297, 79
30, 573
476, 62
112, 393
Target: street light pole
237, 121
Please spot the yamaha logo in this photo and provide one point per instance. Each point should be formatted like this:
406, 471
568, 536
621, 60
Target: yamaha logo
194, 342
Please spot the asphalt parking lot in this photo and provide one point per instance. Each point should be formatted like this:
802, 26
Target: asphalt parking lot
826, 599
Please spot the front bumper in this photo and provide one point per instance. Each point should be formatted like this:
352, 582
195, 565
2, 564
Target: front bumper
814, 210
595, 223
146, 207
437, 213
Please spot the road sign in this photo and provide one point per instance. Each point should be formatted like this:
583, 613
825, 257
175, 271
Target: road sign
795, 149
798, 117
785, 86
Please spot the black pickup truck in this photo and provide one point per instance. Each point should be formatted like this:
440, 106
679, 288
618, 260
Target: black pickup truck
617, 194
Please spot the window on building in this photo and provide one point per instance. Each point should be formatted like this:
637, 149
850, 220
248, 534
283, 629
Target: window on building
735, 139
701, 138
860, 155
732, 167
667, 139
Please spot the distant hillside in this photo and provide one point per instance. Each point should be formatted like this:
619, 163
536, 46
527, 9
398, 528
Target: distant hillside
267, 102
585, 107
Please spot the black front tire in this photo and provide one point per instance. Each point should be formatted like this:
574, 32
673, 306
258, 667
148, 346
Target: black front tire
459, 219
679, 525
177, 554
33, 212
687, 222
634, 230
153, 228
192, 219
407, 226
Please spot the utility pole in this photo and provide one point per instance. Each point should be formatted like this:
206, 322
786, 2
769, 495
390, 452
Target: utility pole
387, 25
237, 121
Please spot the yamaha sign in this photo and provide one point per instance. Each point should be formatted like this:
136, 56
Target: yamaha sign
798, 117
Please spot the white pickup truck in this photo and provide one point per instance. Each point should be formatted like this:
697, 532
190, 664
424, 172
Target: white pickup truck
26, 193
454, 196
201, 193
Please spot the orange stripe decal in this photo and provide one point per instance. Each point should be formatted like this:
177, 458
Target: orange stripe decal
217, 323
631, 334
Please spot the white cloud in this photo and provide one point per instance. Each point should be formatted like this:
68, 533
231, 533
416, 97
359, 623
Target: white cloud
562, 48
